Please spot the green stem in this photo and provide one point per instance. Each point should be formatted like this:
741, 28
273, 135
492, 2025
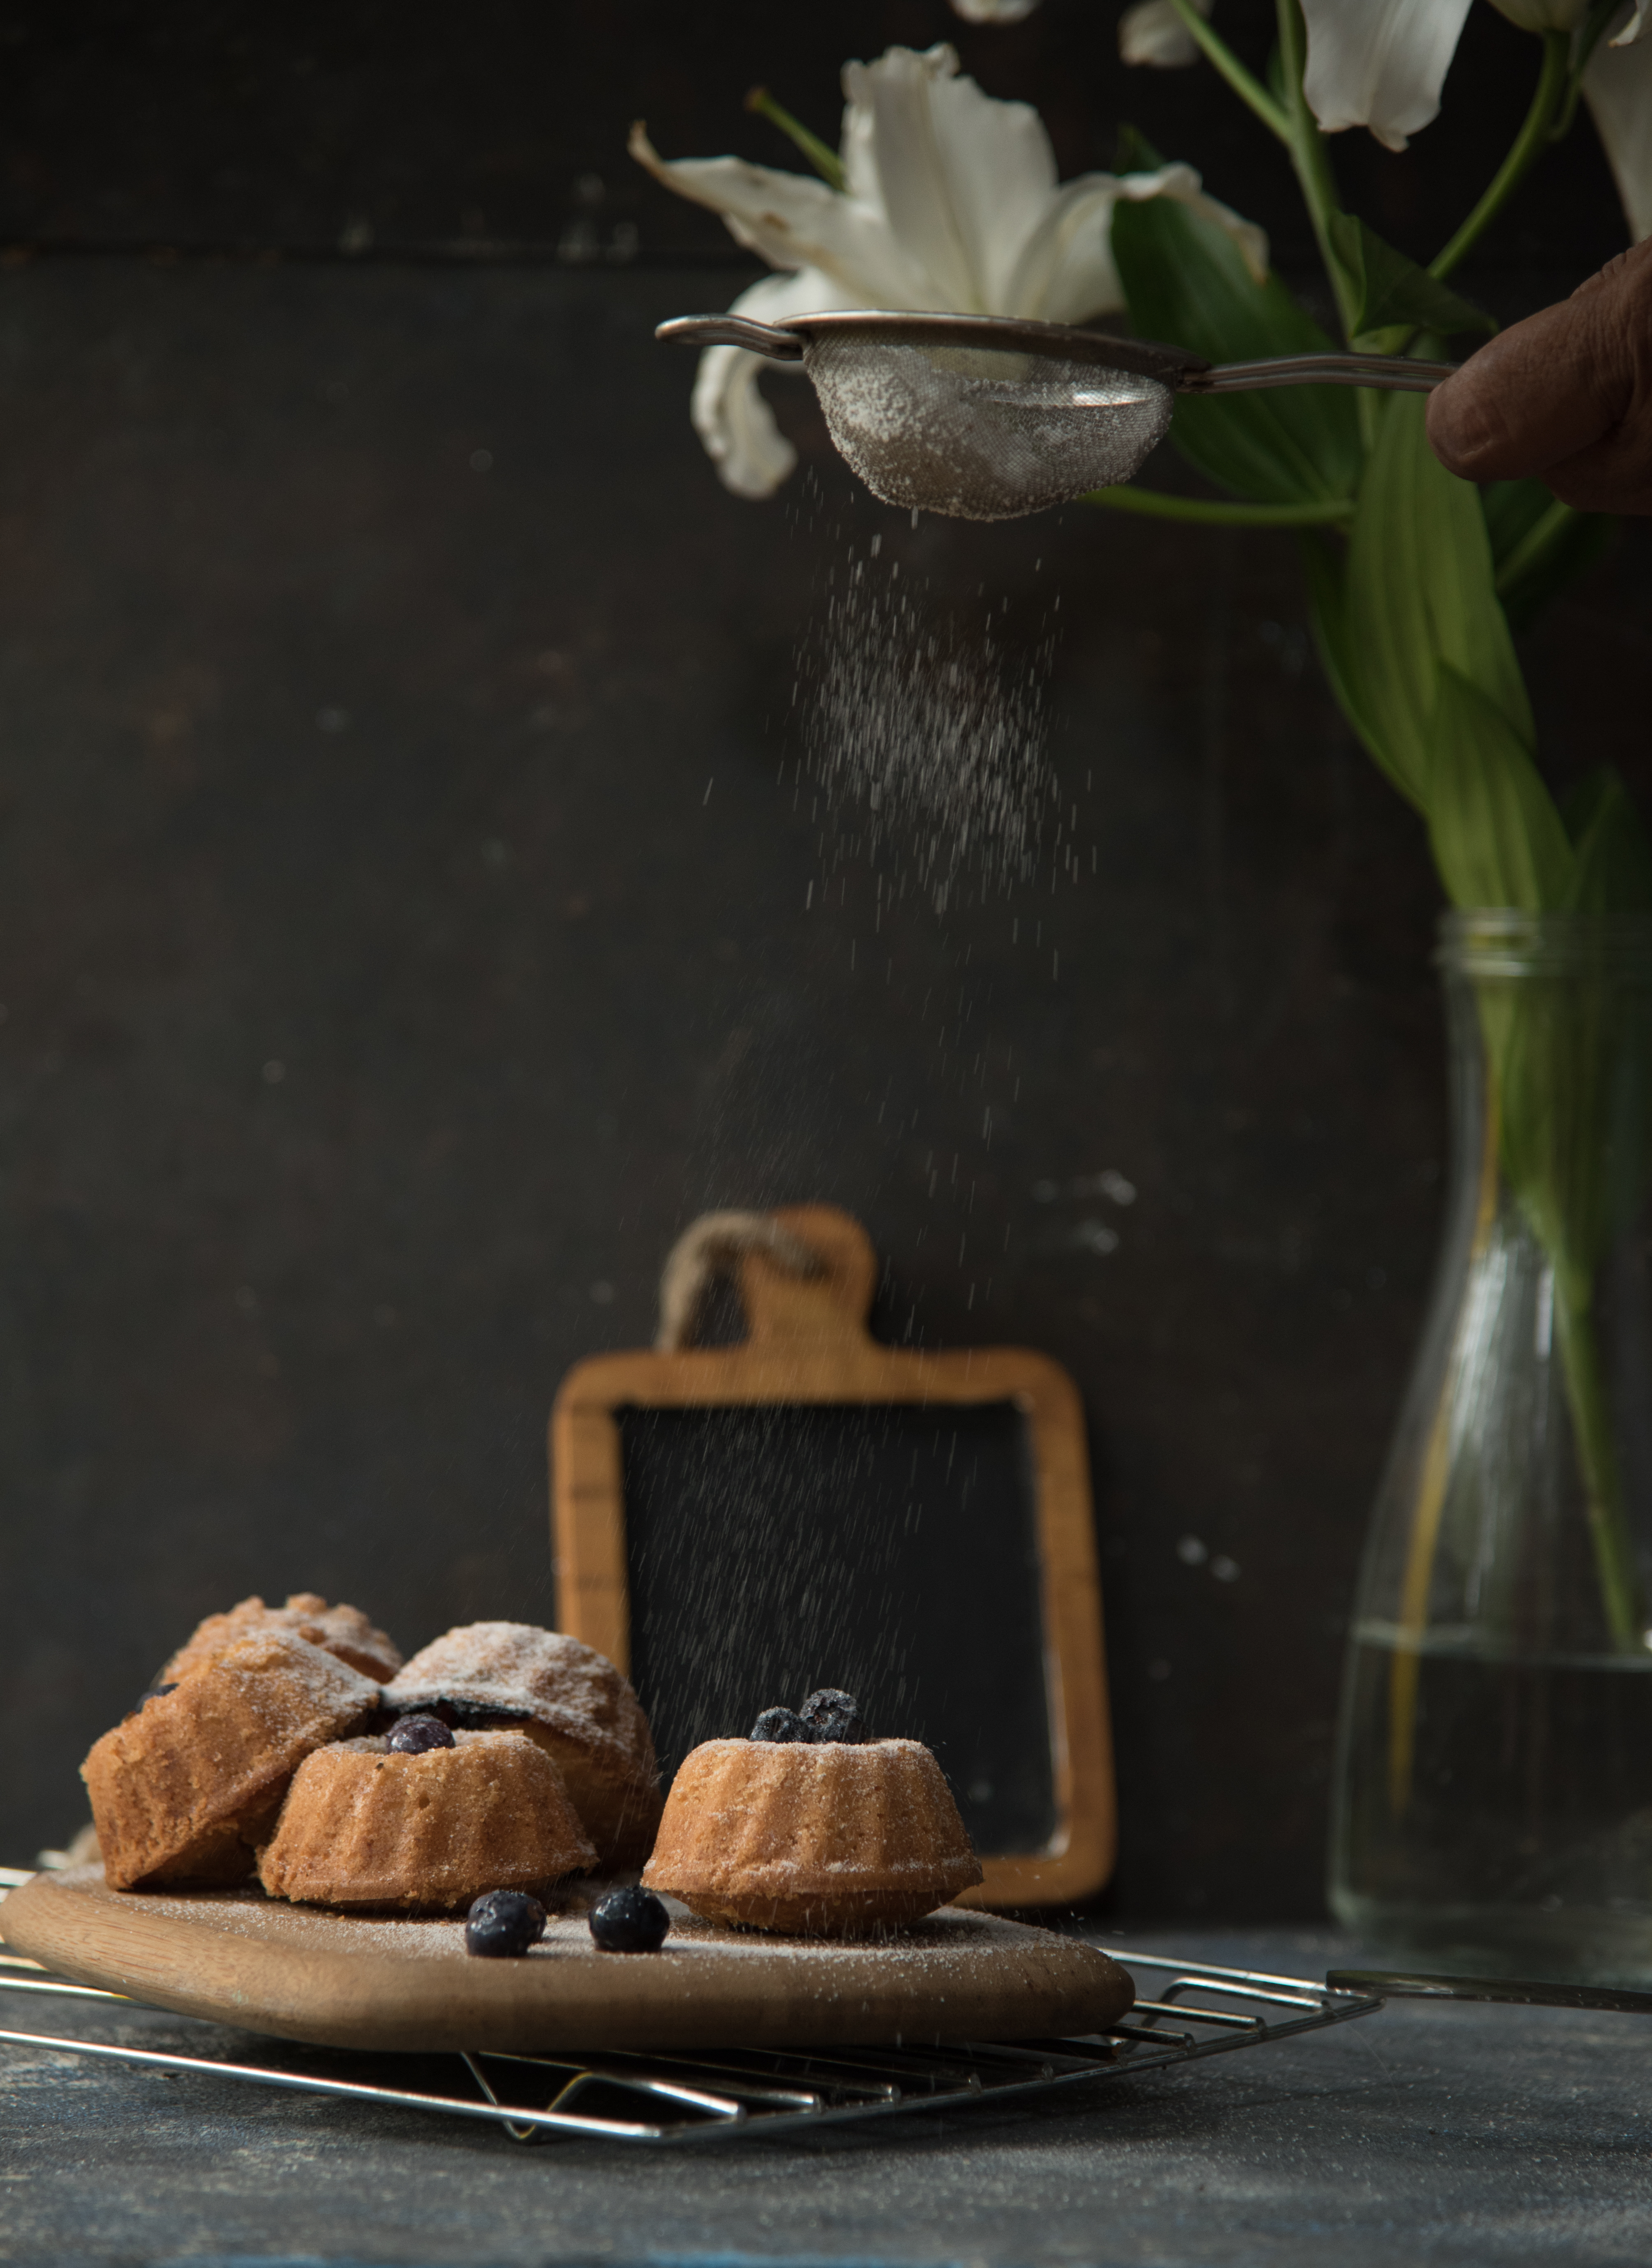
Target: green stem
1244, 84
1598, 1462
1539, 538
1553, 84
1153, 504
1588, 37
826, 162
1313, 162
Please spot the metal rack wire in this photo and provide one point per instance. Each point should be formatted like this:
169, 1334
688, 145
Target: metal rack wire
711, 2095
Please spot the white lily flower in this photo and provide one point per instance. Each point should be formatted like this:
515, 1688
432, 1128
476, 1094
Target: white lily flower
1379, 63
1153, 34
1382, 63
1619, 90
951, 203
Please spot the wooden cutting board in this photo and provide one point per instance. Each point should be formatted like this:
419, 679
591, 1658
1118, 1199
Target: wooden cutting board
389, 1982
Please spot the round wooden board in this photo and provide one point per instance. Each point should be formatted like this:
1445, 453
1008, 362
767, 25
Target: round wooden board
383, 1982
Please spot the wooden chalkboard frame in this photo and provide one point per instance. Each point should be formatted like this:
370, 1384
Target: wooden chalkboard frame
808, 1343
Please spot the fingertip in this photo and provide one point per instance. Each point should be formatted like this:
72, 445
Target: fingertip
1443, 423
1466, 429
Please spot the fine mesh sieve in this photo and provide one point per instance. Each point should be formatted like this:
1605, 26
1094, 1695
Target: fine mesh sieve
980, 432
980, 417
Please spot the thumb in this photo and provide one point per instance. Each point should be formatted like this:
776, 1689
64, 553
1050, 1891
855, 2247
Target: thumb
1567, 395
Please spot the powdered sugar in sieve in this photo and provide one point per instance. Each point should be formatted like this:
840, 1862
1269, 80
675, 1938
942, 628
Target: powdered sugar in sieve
980, 432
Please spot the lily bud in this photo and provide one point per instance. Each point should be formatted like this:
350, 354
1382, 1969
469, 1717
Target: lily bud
1152, 32
1381, 67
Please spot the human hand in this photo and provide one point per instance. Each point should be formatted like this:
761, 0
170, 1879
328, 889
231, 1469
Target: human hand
1567, 395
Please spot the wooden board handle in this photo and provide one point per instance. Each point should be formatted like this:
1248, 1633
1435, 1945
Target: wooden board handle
786, 1310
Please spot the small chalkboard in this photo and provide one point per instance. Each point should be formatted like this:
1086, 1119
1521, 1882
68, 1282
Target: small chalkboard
736, 1525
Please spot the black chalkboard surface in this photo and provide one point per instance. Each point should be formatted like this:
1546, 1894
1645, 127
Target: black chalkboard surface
737, 1525
889, 1550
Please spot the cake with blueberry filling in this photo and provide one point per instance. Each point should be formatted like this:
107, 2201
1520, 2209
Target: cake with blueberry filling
423, 1817
343, 1630
184, 1787
810, 1826
562, 1694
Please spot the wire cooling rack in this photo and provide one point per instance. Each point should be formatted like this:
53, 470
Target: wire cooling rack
1197, 2011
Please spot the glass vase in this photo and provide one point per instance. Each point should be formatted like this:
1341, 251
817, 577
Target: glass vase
1493, 1789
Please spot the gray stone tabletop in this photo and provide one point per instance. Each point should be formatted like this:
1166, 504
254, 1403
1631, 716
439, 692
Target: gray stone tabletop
1425, 2134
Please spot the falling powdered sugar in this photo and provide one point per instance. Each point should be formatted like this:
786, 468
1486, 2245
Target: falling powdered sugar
934, 727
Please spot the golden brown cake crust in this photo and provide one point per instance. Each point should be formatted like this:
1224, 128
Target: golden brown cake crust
828, 1839
568, 1698
365, 1826
182, 1789
343, 1630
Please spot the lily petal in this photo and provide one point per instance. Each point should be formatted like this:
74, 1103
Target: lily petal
1618, 86
994, 11
1065, 271
962, 180
1186, 186
1152, 32
737, 426
1379, 63
795, 221
1633, 29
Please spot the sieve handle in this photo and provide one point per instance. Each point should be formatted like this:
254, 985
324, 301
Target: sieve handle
732, 331
1394, 373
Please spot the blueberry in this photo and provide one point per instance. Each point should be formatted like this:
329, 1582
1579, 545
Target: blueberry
780, 1725
413, 1736
154, 1694
629, 1921
831, 1715
503, 1924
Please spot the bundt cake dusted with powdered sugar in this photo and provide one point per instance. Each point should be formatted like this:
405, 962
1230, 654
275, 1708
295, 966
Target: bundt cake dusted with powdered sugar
343, 1630
184, 1787
561, 1694
433, 1823
811, 1827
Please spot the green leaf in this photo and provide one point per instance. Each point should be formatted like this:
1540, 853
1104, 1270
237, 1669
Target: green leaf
1395, 290
1613, 855
1187, 284
1496, 836
1512, 510
1419, 594
1134, 153
1325, 576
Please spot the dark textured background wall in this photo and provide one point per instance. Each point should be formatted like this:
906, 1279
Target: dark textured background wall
410, 916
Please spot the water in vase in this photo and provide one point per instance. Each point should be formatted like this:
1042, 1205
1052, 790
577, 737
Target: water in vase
1500, 1816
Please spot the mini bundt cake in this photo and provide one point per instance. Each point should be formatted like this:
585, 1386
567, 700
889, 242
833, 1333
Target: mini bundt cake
565, 1695
343, 1630
367, 1825
799, 1828
183, 1788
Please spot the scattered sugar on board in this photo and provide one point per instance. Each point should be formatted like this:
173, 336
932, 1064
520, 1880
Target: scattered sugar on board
957, 1942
